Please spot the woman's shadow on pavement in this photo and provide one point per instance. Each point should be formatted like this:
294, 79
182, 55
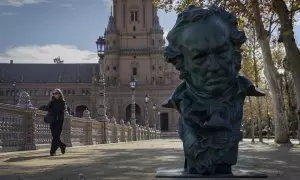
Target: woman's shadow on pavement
17, 159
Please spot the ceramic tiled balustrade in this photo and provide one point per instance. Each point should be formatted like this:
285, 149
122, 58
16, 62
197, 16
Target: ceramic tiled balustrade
22, 128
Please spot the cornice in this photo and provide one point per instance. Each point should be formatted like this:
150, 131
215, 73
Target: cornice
134, 51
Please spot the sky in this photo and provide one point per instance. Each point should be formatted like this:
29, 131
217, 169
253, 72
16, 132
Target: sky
36, 31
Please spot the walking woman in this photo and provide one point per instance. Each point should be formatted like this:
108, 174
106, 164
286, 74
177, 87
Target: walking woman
56, 108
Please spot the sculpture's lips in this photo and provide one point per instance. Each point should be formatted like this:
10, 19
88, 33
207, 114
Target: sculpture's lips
215, 81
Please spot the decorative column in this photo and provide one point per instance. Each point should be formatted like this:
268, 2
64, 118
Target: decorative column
28, 122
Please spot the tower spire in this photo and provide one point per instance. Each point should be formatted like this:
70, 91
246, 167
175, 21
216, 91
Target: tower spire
111, 27
111, 10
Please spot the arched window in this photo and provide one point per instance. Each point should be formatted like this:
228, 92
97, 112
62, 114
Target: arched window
133, 16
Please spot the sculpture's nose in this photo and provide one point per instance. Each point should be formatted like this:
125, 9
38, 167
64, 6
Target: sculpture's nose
213, 65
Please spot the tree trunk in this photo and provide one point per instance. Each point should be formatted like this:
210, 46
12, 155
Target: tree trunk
281, 126
298, 131
252, 119
256, 79
292, 51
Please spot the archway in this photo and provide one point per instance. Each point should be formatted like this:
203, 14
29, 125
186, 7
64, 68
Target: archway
43, 108
137, 113
79, 110
164, 122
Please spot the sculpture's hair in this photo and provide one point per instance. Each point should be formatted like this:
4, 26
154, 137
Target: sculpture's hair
191, 15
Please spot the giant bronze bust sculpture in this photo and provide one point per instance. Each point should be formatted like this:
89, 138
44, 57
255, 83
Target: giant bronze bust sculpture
205, 46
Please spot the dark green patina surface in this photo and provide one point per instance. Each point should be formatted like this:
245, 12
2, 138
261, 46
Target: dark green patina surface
205, 46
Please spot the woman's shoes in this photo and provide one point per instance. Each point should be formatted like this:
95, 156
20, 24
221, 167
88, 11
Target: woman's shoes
63, 149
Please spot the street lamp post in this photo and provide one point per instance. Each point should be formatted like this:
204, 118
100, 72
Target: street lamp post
133, 118
101, 107
147, 98
14, 90
154, 115
100, 49
133, 86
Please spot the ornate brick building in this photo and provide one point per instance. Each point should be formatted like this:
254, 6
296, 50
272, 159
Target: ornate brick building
40, 79
134, 47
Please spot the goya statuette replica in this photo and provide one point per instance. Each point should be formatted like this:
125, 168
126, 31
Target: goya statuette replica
205, 46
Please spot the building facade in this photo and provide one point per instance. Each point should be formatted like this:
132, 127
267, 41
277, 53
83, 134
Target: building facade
135, 45
39, 80
134, 48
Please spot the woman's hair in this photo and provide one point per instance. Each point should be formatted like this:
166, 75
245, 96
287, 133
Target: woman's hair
57, 91
193, 14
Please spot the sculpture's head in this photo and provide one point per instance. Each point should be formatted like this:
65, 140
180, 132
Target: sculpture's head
205, 45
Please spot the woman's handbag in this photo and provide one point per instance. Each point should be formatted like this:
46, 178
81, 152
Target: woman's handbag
48, 118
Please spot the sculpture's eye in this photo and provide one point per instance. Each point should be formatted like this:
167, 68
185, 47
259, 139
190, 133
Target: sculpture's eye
199, 58
200, 55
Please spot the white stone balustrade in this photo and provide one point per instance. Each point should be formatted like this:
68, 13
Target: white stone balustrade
23, 128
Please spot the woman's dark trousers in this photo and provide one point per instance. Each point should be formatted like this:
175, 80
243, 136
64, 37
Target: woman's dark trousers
56, 128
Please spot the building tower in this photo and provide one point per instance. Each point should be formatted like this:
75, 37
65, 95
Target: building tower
135, 47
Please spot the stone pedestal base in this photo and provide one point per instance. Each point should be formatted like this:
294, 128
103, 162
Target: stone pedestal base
179, 173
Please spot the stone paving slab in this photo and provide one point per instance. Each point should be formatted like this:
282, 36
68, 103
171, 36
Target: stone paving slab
138, 160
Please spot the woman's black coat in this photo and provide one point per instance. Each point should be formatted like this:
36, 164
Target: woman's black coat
57, 109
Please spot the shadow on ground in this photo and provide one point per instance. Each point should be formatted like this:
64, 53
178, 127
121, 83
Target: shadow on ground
18, 159
138, 161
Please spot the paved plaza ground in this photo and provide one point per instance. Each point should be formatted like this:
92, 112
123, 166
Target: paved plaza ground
138, 160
